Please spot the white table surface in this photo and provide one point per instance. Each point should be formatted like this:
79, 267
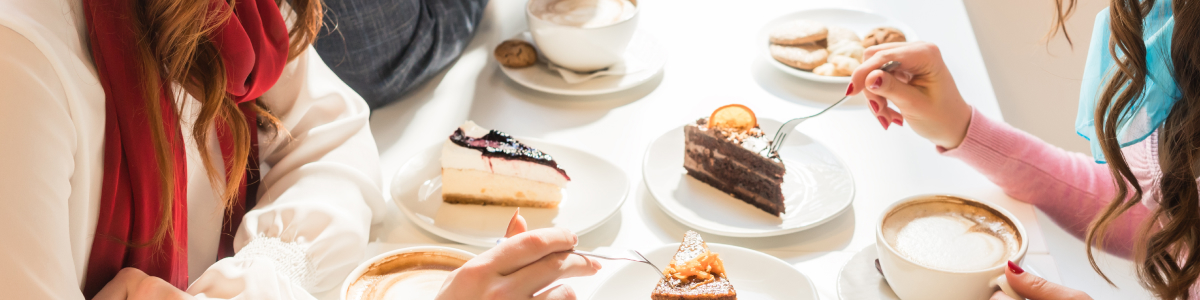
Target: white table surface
712, 62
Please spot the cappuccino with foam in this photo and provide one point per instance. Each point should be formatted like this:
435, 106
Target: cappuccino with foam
949, 234
414, 275
583, 13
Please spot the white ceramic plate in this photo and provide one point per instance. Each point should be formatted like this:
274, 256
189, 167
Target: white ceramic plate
755, 276
643, 48
860, 21
859, 280
816, 188
593, 196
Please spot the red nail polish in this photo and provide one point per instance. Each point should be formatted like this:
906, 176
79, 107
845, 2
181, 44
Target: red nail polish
849, 89
898, 122
883, 122
878, 82
874, 107
1015, 269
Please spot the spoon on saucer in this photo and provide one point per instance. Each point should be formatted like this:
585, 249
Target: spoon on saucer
790, 125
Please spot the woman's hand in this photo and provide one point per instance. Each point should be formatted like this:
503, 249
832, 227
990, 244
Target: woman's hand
519, 267
1036, 288
921, 88
133, 284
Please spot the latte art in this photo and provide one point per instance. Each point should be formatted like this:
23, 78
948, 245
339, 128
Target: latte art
406, 276
583, 13
951, 236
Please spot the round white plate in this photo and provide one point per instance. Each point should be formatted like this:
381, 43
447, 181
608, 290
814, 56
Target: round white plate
643, 48
593, 196
817, 187
754, 275
859, 280
860, 21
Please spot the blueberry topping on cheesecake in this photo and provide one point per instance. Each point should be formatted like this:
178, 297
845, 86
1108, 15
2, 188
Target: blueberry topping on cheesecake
488, 167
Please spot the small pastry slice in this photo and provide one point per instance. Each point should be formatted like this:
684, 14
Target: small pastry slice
695, 273
488, 167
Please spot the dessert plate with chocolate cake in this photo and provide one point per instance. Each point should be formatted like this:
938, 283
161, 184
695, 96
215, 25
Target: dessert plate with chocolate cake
696, 270
466, 188
716, 174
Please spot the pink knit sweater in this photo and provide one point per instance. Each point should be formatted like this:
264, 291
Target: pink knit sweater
1069, 187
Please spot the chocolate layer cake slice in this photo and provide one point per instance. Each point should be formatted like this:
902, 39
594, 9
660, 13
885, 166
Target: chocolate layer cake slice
735, 162
695, 273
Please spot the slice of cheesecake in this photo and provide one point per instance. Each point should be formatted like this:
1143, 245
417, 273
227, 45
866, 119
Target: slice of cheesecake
488, 167
695, 273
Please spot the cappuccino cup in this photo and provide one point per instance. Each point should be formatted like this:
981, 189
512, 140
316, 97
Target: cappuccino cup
934, 247
582, 35
410, 273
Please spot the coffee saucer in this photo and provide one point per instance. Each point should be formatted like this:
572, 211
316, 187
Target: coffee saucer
859, 280
859, 21
644, 58
817, 187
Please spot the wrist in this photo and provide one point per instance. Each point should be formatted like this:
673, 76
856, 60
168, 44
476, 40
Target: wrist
957, 131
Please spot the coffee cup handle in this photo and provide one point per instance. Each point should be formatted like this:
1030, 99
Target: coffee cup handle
1002, 283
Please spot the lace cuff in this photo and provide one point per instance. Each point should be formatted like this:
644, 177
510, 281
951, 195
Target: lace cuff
291, 259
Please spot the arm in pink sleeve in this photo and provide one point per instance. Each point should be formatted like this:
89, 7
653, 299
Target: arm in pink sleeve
1069, 187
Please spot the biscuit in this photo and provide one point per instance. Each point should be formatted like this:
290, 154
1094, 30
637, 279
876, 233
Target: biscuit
883, 35
826, 69
849, 49
843, 66
515, 54
839, 35
837, 65
798, 32
804, 57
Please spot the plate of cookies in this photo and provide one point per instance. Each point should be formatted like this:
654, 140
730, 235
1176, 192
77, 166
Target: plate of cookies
826, 45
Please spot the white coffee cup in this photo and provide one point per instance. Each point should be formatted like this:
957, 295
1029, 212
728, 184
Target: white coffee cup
581, 48
913, 281
426, 291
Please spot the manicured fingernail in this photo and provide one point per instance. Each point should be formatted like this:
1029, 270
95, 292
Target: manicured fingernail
898, 122
883, 122
1015, 269
874, 107
878, 82
849, 89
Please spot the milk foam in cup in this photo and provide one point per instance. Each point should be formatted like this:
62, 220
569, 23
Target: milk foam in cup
410, 273
938, 247
582, 35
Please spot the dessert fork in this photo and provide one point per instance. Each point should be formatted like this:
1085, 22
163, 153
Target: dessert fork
790, 125
627, 255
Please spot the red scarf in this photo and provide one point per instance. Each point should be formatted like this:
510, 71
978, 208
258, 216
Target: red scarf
253, 44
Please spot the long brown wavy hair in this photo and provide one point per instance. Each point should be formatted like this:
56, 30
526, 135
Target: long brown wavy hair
1167, 250
175, 47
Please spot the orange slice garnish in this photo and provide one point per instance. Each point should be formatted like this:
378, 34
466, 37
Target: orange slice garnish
734, 117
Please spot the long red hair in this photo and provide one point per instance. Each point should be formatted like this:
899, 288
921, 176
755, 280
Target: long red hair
176, 48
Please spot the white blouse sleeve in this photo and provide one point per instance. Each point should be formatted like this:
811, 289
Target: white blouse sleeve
37, 148
319, 195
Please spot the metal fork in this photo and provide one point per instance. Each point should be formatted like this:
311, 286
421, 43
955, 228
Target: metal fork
787, 127
630, 255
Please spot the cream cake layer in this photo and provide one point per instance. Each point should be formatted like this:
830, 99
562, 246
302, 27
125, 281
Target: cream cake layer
469, 186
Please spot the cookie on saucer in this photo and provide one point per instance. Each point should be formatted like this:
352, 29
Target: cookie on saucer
798, 32
515, 54
804, 57
883, 35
